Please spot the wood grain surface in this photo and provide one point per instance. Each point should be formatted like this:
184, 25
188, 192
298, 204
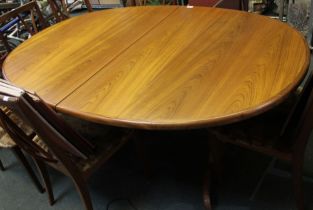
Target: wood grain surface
162, 67
60, 59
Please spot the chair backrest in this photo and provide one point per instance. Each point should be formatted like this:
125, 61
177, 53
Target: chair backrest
25, 21
61, 8
299, 124
62, 142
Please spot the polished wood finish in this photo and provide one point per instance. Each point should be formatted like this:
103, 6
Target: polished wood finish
162, 67
73, 51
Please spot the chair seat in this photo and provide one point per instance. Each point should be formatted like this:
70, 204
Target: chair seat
5, 140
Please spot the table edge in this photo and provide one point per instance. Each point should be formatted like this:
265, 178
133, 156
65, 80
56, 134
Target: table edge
193, 124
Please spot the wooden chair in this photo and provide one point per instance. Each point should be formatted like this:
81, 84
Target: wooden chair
282, 133
18, 25
61, 8
56, 143
7, 143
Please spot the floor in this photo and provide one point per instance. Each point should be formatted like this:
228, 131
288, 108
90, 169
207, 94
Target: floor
175, 183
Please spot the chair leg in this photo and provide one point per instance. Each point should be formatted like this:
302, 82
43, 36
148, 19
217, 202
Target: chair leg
143, 157
19, 155
82, 188
88, 5
45, 176
297, 167
1, 166
216, 150
206, 184
206, 191
214, 172
210, 171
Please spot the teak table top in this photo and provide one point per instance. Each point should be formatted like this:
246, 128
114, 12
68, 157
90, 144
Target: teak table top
162, 67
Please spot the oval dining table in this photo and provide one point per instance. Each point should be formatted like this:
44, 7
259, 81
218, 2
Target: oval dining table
162, 67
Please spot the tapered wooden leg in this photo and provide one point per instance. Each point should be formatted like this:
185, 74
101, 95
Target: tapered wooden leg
82, 189
207, 187
19, 155
1, 166
297, 167
45, 176
88, 5
214, 170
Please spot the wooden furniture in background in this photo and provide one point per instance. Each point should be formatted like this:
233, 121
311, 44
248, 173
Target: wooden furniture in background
211, 67
56, 143
227, 4
61, 8
59, 11
5, 7
30, 19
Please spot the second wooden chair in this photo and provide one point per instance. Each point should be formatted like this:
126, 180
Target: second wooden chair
282, 133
